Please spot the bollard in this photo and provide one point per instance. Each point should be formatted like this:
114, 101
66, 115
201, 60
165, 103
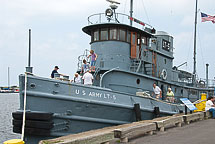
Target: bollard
137, 112
157, 112
185, 109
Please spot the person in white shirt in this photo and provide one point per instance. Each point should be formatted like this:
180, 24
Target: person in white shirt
85, 66
77, 78
88, 78
157, 91
210, 106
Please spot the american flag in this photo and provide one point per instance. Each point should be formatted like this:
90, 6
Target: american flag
206, 17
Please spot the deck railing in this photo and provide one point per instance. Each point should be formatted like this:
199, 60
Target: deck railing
117, 18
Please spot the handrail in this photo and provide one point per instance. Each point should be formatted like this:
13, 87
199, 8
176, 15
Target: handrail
102, 15
105, 74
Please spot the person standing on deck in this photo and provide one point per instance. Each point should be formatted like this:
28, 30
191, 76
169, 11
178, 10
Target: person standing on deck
93, 59
88, 78
85, 66
157, 91
54, 71
77, 78
170, 95
210, 106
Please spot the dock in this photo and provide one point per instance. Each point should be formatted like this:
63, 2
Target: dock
190, 128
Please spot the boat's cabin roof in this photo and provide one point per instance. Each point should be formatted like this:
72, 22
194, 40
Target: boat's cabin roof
113, 31
89, 29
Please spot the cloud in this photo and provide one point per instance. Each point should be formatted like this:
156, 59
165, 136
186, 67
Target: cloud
188, 20
44, 7
57, 38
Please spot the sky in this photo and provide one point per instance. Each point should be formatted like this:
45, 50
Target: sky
57, 37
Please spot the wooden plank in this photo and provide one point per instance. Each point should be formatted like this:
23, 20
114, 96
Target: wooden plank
172, 121
201, 115
133, 131
96, 138
93, 139
207, 114
79, 136
191, 117
159, 124
179, 124
126, 131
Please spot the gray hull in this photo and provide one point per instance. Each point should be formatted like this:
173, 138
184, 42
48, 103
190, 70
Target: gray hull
77, 108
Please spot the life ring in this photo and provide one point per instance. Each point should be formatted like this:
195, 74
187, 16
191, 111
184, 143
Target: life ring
164, 74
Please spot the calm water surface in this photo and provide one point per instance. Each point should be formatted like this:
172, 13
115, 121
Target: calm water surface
9, 102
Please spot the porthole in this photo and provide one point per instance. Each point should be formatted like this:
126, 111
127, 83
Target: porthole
32, 85
138, 81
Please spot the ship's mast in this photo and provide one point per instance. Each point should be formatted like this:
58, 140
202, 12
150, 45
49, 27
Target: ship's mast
194, 53
29, 68
131, 11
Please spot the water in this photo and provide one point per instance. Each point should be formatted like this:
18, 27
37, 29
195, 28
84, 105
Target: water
9, 102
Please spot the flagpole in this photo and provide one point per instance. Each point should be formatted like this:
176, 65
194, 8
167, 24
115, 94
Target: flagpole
194, 53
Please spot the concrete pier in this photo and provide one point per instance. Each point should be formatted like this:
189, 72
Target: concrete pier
195, 128
200, 132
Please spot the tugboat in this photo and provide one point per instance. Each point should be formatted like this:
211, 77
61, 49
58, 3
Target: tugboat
130, 59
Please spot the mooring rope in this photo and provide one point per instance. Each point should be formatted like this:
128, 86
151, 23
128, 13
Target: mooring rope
24, 109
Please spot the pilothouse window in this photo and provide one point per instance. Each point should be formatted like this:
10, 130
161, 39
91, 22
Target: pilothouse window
113, 34
122, 35
104, 34
96, 35
129, 37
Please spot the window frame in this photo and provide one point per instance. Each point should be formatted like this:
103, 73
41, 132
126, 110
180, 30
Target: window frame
110, 33
93, 37
125, 36
107, 34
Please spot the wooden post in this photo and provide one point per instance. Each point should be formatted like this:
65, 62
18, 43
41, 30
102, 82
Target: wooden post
185, 110
156, 111
124, 140
137, 112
